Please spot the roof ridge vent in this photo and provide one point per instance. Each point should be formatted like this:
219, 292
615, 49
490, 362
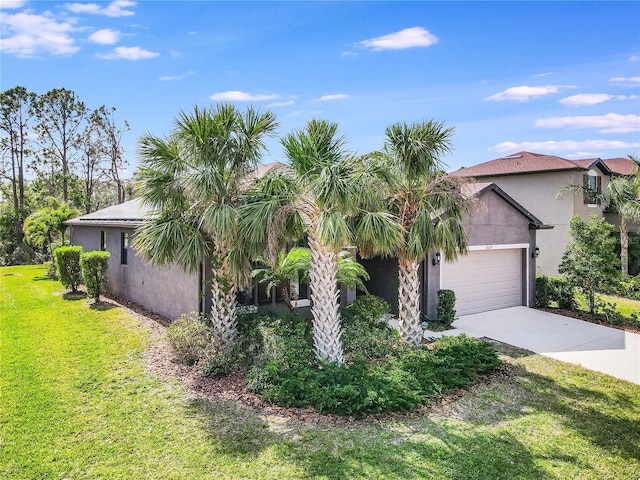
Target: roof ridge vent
511, 157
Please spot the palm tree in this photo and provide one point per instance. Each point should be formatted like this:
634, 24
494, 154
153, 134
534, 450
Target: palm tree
622, 197
295, 266
193, 180
430, 206
321, 196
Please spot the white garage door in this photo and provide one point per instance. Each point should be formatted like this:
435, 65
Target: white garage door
485, 280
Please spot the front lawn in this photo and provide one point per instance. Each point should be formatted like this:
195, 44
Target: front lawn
78, 401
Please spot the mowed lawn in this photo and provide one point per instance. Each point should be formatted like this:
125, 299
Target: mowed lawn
77, 402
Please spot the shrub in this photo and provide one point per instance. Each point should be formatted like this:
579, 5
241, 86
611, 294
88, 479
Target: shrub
69, 272
94, 270
608, 311
23, 254
397, 382
446, 307
367, 309
543, 292
366, 342
218, 365
189, 337
553, 290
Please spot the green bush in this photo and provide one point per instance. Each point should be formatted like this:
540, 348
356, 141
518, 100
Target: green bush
69, 272
367, 309
446, 307
399, 379
94, 270
218, 365
554, 291
362, 341
189, 337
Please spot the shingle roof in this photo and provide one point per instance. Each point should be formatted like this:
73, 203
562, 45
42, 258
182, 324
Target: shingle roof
527, 162
134, 213
621, 166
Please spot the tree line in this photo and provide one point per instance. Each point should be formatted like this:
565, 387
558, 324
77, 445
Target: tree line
56, 153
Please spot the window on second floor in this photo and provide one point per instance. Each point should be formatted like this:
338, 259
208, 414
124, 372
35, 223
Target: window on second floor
593, 188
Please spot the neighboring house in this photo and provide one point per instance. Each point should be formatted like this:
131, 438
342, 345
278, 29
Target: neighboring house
497, 272
534, 180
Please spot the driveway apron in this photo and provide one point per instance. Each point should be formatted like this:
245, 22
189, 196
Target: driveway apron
596, 347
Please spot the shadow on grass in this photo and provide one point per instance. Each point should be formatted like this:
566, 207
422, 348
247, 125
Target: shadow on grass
236, 429
42, 278
74, 297
101, 306
609, 418
365, 450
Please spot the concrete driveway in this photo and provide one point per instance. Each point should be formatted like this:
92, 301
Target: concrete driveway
603, 349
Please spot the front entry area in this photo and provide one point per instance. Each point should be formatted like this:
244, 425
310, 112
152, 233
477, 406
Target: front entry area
487, 278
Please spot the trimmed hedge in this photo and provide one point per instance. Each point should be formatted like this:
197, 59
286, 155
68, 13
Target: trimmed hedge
94, 270
69, 271
446, 307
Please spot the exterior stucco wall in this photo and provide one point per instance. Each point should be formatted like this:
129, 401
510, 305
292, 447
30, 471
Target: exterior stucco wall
166, 290
495, 223
538, 192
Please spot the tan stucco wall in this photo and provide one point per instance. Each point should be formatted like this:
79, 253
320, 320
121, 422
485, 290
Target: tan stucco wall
167, 290
538, 194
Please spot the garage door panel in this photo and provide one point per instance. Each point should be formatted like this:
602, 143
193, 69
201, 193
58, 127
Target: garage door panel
485, 280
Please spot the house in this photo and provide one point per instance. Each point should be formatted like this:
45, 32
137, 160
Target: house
535, 180
497, 272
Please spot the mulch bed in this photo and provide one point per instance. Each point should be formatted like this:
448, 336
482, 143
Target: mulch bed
629, 325
160, 362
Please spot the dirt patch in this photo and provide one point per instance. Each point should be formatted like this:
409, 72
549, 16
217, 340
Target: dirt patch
628, 325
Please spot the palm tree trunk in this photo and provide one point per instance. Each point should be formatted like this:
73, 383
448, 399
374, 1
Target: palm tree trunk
223, 308
324, 294
624, 247
409, 325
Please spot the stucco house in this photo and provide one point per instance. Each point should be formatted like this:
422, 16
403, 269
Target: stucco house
535, 180
499, 270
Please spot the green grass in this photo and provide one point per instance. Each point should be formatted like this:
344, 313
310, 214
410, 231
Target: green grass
77, 402
625, 306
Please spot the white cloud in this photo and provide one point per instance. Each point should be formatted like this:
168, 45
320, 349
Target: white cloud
609, 123
128, 53
183, 76
545, 74
407, 38
588, 99
634, 58
106, 36
625, 81
332, 97
526, 93
117, 8
30, 34
238, 96
288, 103
7, 4
564, 146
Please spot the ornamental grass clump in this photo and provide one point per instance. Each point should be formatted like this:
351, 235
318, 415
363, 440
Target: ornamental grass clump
94, 270
69, 271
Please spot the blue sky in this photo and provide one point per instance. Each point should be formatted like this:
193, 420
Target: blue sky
560, 78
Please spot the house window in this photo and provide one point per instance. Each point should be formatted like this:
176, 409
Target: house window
593, 188
124, 247
103, 240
